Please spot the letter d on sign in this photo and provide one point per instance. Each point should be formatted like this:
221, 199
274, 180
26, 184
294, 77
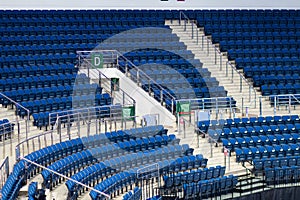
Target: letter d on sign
97, 60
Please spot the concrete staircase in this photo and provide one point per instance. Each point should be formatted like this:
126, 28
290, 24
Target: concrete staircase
232, 80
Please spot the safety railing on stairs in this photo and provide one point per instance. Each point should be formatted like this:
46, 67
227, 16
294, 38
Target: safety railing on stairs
82, 127
4, 172
287, 101
18, 107
91, 60
119, 61
230, 70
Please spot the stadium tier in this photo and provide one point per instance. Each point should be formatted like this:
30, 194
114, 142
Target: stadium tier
39, 72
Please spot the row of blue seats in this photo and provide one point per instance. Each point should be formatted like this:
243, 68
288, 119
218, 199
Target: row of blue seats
32, 191
262, 53
209, 29
248, 154
6, 129
26, 71
86, 14
139, 22
125, 46
258, 44
42, 81
43, 59
42, 119
189, 93
209, 188
273, 79
249, 121
288, 34
205, 13
135, 194
185, 67
188, 74
93, 38
112, 166
270, 61
179, 179
157, 197
266, 25
54, 152
280, 89
103, 32
251, 71
51, 92
158, 54
48, 47
64, 103
259, 130
116, 152
120, 180
282, 175
263, 140
261, 164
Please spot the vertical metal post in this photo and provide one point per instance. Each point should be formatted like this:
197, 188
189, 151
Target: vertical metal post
241, 84
275, 104
231, 75
207, 47
78, 125
172, 104
197, 36
220, 61
192, 30
242, 106
123, 98
179, 18
250, 89
138, 77
178, 121
215, 56
184, 24
184, 129
290, 101
202, 46
226, 69
161, 97
260, 106
149, 87
99, 81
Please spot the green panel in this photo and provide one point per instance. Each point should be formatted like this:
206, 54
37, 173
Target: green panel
183, 108
128, 113
97, 60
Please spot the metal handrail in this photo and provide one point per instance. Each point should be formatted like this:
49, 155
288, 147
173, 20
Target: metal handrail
17, 148
139, 72
217, 51
90, 65
19, 105
76, 111
148, 77
4, 167
65, 177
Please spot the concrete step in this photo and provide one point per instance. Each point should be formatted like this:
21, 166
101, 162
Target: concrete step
211, 60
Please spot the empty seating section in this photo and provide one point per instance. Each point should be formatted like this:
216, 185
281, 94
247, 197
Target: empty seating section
135, 194
201, 182
210, 188
256, 137
93, 158
264, 43
6, 129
